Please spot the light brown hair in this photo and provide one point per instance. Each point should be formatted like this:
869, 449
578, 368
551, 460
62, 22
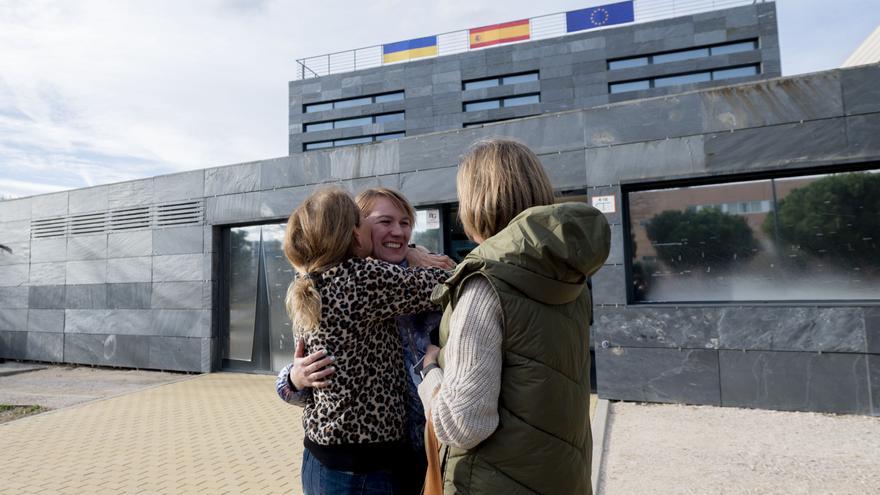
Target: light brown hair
498, 179
319, 236
367, 197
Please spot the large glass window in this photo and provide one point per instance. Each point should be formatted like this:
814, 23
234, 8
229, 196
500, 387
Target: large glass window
814, 237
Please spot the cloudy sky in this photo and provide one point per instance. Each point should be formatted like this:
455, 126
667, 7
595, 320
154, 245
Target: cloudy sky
101, 91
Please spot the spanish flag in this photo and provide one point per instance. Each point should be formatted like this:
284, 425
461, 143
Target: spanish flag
409, 49
497, 34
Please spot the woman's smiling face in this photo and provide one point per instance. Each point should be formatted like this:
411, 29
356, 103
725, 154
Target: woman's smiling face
392, 229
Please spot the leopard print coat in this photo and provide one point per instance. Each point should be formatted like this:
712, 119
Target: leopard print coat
366, 400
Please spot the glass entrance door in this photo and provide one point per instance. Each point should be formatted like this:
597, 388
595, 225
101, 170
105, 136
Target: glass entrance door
256, 329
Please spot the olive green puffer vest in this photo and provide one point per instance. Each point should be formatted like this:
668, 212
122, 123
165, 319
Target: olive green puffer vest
538, 266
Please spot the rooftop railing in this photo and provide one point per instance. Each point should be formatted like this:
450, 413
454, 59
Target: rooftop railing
541, 27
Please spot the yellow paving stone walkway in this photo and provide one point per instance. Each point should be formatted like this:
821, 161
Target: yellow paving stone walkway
212, 434
217, 433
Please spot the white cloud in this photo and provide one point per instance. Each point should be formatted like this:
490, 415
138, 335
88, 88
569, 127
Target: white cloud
98, 91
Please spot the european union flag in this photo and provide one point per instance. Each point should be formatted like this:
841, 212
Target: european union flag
603, 15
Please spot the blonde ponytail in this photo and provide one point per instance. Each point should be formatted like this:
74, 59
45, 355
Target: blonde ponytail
319, 236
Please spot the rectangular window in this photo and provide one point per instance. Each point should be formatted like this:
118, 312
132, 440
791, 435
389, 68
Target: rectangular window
688, 54
811, 237
318, 107
389, 97
510, 101
749, 70
318, 145
515, 101
745, 46
485, 83
629, 86
357, 122
474, 106
627, 63
319, 126
698, 77
519, 79
681, 55
491, 82
354, 122
353, 102
389, 117
352, 141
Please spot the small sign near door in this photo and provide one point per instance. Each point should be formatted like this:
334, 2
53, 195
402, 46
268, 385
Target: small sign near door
605, 204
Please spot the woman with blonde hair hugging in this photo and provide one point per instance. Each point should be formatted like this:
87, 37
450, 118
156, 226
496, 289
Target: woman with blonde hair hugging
508, 396
345, 305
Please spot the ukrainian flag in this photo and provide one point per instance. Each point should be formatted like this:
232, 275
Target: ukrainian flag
497, 34
409, 49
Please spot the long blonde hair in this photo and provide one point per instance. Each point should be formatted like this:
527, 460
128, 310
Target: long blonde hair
319, 236
498, 179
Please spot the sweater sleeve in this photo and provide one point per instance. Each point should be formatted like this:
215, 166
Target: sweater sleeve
465, 411
288, 392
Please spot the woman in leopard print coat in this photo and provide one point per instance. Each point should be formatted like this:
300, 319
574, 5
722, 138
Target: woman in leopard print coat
345, 305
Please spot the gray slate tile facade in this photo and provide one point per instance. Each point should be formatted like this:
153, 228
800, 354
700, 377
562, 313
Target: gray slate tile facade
150, 297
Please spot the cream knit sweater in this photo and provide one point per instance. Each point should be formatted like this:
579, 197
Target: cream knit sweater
465, 411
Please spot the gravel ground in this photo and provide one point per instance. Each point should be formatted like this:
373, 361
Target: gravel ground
62, 386
676, 449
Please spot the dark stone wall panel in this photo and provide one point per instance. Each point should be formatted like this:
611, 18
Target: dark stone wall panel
13, 344
795, 381
658, 375
816, 96
792, 329
657, 326
872, 329
46, 297
874, 378
774, 147
107, 350
861, 92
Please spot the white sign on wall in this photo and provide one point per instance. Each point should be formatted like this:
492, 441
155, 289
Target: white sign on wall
605, 204
427, 219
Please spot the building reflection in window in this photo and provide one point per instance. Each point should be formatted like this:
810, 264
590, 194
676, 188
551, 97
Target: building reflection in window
795, 238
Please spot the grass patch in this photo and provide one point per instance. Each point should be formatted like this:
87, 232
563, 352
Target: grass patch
9, 412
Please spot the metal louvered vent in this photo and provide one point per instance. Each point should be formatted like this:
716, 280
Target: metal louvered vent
49, 227
129, 219
186, 213
92, 223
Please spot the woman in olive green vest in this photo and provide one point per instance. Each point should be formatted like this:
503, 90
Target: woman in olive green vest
509, 392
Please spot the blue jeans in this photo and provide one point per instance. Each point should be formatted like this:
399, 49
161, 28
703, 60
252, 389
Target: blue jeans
318, 479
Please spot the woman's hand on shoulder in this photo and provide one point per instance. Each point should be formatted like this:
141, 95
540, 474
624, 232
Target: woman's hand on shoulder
419, 256
312, 370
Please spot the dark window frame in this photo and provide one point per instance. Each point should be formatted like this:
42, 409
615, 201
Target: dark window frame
500, 101
373, 139
333, 103
333, 122
711, 72
756, 45
500, 80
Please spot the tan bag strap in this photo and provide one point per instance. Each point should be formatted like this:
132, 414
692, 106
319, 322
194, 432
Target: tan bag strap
433, 477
